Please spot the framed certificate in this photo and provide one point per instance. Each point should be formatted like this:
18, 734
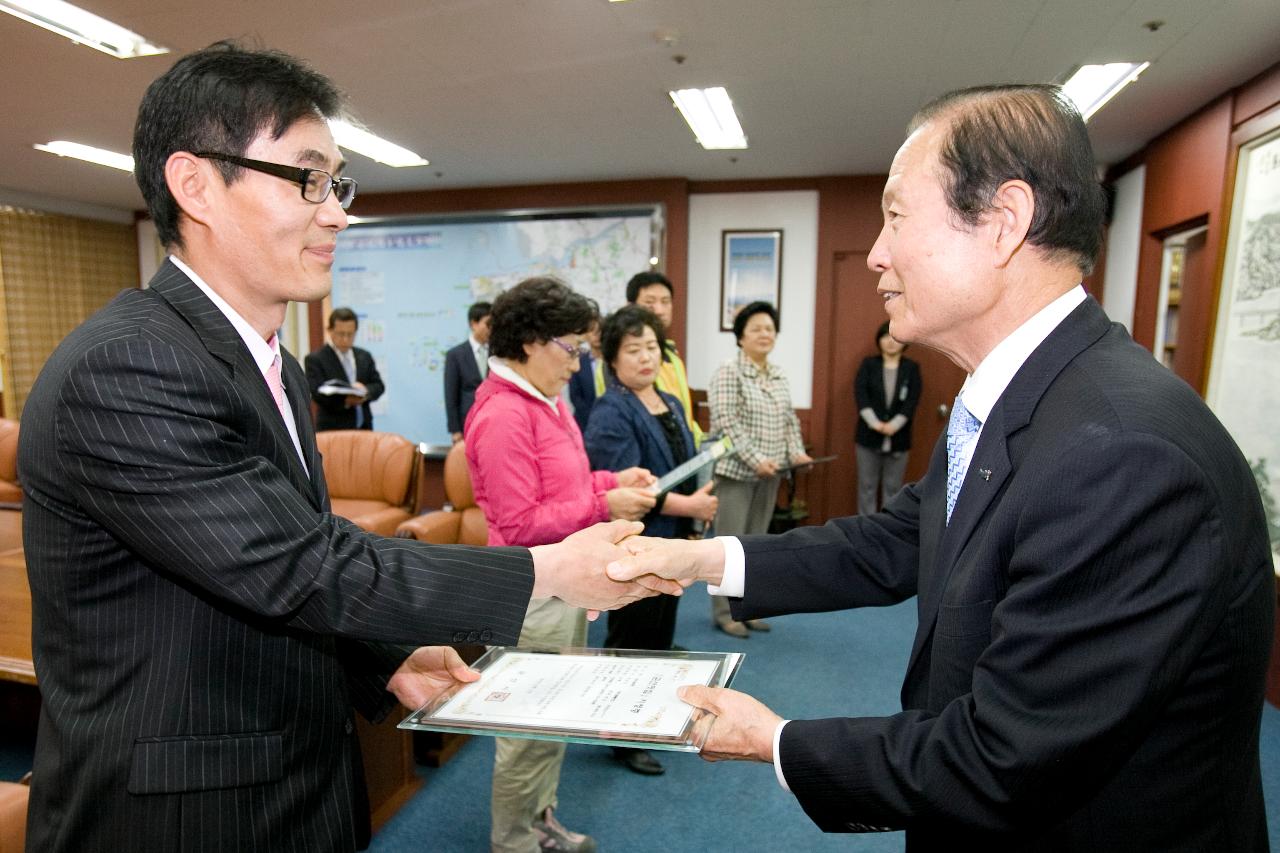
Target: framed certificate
610, 697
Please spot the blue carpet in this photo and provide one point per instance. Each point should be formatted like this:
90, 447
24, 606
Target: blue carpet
836, 664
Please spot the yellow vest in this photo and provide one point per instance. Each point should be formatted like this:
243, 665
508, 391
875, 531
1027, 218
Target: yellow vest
597, 373
673, 379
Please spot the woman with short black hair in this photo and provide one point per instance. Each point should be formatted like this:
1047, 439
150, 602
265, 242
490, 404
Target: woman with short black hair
887, 390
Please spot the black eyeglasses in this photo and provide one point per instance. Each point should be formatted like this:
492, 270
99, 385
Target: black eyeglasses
316, 184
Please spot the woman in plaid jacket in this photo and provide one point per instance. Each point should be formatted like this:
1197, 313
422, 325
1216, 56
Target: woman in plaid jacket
751, 403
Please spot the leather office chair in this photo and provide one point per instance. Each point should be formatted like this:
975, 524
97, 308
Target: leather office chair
10, 491
459, 523
371, 476
13, 815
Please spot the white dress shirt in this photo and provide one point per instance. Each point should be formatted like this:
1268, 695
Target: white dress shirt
262, 353
980, 392
481, 353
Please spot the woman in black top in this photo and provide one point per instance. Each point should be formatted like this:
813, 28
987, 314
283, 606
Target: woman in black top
887, 390
637, 422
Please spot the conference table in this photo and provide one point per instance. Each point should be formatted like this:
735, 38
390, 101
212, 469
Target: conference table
387, 751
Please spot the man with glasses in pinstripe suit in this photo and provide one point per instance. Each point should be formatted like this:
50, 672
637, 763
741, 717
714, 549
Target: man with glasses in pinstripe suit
203, 625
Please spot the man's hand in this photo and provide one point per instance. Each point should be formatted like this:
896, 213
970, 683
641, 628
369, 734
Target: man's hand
766, 469
573, 570
743, 728
683, 561
427, 673
351, 401
628, 503
636, 478
801, 458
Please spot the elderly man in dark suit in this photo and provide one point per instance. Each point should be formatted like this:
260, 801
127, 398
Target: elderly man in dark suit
203, 625
465, 367
342, 361
1088, 548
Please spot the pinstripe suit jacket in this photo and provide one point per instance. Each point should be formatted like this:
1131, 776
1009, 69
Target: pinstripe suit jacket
202, 625
1095, 624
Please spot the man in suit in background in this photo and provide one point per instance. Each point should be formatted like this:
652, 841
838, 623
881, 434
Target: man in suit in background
1088, 547
588, 384
203, 625
465, 367
342, 360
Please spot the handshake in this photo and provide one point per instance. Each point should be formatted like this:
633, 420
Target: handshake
609, 565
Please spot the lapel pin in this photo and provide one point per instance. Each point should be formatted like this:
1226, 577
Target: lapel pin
984, 473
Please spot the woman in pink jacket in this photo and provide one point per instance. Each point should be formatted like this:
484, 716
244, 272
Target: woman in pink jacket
530, 474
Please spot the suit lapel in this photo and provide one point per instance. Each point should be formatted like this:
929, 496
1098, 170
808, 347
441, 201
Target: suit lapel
334, 364
469, 364
942, 544
933, 518
223, 342
300, 403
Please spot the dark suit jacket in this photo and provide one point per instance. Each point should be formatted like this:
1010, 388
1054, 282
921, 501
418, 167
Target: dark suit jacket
868, 390
199, 616
623, 434
1094, 624
582, 393
461, 379
332, 411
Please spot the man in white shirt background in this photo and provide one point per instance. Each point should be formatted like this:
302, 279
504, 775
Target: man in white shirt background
340, 359
465, 367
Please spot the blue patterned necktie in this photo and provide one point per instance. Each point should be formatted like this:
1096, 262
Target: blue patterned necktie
962, 427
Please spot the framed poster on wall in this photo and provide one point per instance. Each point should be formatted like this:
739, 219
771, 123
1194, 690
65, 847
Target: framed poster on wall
750, 271
1244, 365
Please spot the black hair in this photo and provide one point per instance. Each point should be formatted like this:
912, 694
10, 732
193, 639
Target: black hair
343, 315
479, 311
884, 330
627, 321
1032, 133
752, 309
641, 280
220, 99
535, 311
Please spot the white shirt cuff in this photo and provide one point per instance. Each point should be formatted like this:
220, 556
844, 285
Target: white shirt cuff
777, 758
734, 581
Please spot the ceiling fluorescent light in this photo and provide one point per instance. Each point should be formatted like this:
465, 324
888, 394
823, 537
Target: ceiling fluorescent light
1093, 85
82, 27
358, 139
710, 115
62, 148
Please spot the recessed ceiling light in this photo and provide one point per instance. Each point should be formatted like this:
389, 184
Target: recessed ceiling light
102, 157
1093, 85
711, 117
82, 27
358, 139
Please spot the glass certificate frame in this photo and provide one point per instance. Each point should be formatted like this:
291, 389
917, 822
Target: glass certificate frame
612, 697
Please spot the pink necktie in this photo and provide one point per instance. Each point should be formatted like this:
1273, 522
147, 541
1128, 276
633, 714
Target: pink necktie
275, 383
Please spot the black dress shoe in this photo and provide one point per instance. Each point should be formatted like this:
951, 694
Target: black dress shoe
639, 761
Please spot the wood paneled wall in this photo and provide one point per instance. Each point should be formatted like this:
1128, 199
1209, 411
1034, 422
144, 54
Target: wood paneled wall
1186, 184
